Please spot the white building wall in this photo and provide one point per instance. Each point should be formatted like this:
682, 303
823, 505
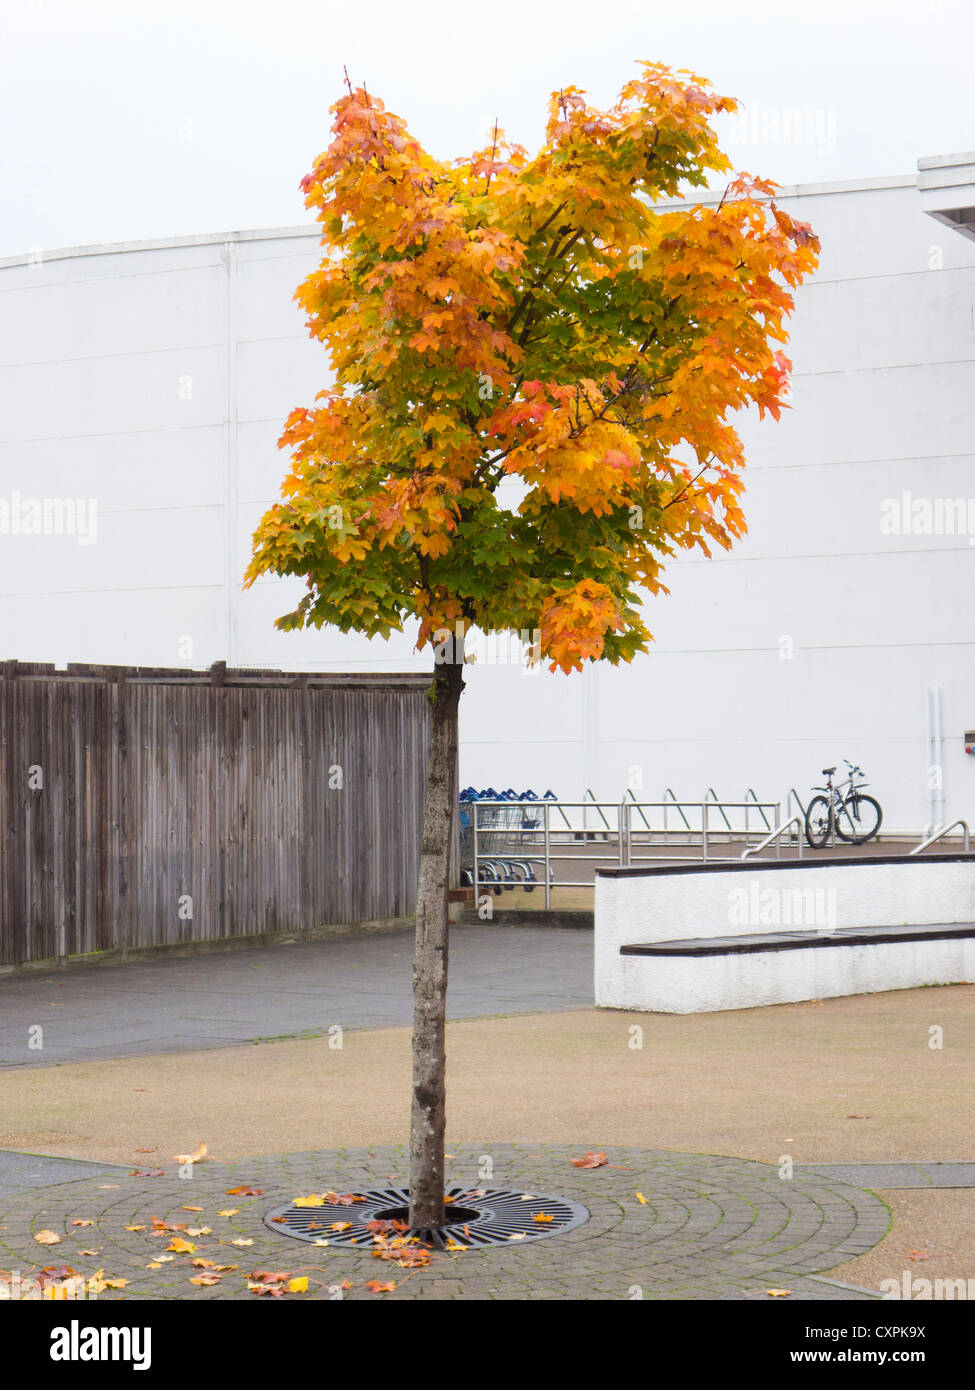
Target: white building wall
156, 380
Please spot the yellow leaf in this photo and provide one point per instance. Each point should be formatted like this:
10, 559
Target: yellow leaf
181, 1246
641, 1199
541, 1217
229, 1211
778, 1293
241, 1242
47, 1238
298, 1285
195, 1157
314, 1200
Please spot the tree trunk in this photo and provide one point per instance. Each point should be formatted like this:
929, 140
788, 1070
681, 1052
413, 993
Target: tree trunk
428, 1118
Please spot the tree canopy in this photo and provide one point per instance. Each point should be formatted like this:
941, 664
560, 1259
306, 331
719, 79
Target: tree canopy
534, 367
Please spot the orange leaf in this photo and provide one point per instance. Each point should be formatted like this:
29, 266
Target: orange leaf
195, 1157
590, 1160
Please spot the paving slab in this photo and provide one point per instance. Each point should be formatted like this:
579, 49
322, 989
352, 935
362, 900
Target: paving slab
890, 1176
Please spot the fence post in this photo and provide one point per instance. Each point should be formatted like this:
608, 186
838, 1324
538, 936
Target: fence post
8, 849
120, 925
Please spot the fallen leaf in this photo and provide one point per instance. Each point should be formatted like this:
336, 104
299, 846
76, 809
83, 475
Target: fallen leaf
590, 1160
47, 1238
198, 1231
274, 1290
89, 1252
135, 1228
640, 1198
314, 1200
232, 1211
192, 1208
244, 1192
82, 1223
340, 1225
241, 1242
778, 1293
147, 1173
154, 1264
918, 1255
520, 1236
145, 1151
196, 1156
205, 1280
181, 1246
374, 1286
541, 1217
98, 1283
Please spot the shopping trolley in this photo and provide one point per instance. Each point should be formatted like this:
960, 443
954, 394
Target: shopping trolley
507, 828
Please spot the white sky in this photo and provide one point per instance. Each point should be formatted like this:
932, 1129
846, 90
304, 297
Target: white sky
126, 119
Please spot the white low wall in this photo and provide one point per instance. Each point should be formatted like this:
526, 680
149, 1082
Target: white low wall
639, 906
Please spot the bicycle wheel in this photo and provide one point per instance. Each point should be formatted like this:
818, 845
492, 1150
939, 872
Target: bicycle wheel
859, 820
817, 822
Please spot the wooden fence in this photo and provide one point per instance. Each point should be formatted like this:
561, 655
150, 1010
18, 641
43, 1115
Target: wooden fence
153, 807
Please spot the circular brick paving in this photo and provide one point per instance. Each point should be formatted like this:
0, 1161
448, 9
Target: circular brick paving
707, 1227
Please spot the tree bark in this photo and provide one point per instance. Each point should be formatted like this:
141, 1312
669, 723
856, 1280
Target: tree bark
428, 1118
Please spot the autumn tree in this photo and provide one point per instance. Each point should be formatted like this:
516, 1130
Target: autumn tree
533, 320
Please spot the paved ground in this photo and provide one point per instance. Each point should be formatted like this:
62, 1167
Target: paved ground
214, 1000
849, 1090
707, 1228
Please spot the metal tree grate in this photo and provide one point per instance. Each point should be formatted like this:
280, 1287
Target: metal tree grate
477, 1217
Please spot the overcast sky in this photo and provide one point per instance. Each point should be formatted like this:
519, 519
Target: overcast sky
129, 119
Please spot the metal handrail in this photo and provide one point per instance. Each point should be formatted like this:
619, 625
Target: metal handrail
773, 837
940, 834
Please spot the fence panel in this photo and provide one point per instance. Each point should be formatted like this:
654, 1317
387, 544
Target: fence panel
149, 808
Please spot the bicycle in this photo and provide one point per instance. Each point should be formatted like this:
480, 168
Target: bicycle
844, 809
